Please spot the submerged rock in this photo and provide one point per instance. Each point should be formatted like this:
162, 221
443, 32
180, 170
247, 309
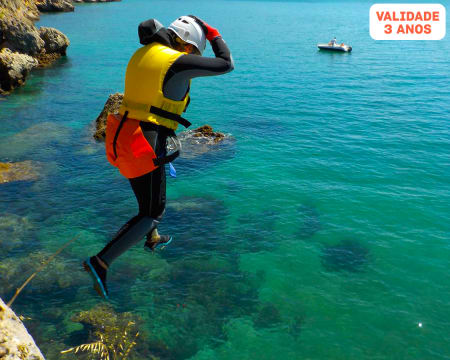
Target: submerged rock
58, 274
15, 341
256, 232
199, 226
268, 316
348, 255
32, 138
19, 171
201, 295
13, 230
55, 5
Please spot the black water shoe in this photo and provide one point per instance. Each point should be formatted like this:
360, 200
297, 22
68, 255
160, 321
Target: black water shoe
98, 275
159, 244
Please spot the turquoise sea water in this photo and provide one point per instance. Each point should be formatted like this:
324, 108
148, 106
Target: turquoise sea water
321, 233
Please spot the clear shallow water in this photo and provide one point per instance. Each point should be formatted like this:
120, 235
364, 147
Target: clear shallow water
322, 233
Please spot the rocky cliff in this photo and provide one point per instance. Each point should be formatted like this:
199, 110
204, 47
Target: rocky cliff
23, 46
15, 341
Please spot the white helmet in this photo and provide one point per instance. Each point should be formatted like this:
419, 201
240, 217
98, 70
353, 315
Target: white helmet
188, 30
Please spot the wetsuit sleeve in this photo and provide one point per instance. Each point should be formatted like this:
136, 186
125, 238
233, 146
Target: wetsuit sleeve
186, 67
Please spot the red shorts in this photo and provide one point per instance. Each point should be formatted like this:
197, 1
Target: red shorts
134, 153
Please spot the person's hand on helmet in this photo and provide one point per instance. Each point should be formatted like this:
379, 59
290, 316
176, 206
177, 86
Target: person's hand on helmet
210, 32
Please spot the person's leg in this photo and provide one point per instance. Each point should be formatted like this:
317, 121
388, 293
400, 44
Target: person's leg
154, 239
158, 205
129, 234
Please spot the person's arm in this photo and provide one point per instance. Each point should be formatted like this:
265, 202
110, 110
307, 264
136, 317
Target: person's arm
186, 67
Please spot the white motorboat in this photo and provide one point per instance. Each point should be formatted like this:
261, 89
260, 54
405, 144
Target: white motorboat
335, 47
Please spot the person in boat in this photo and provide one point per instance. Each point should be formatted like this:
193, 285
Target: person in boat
333, 42
157, 84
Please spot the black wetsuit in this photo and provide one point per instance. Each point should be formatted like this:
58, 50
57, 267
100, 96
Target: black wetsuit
150, 189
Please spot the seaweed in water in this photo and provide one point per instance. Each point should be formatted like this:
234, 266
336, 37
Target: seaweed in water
200, 296
295, 325
13, 230
267, 317
256, 232
198, 226
111, 335
309, 221
58, 274
348, 255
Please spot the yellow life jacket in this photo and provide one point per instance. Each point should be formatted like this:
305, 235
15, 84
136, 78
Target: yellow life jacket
144, 99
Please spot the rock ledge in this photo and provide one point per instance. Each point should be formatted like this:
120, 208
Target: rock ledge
15, 341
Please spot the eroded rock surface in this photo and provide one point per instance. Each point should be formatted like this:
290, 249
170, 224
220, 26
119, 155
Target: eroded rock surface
55, 45
18, 32
15, 341
14, 69
22, 46
94, 1
55, 5
111, 106
54, 40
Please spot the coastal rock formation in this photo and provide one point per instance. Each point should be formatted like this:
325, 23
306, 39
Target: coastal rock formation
55, 41
14, 68
27, 9
62, 5
55, 5
15, 342
94, 1
198, 138
111, 106
19, 171
207, 132
55, 45
18, 32
22, 46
